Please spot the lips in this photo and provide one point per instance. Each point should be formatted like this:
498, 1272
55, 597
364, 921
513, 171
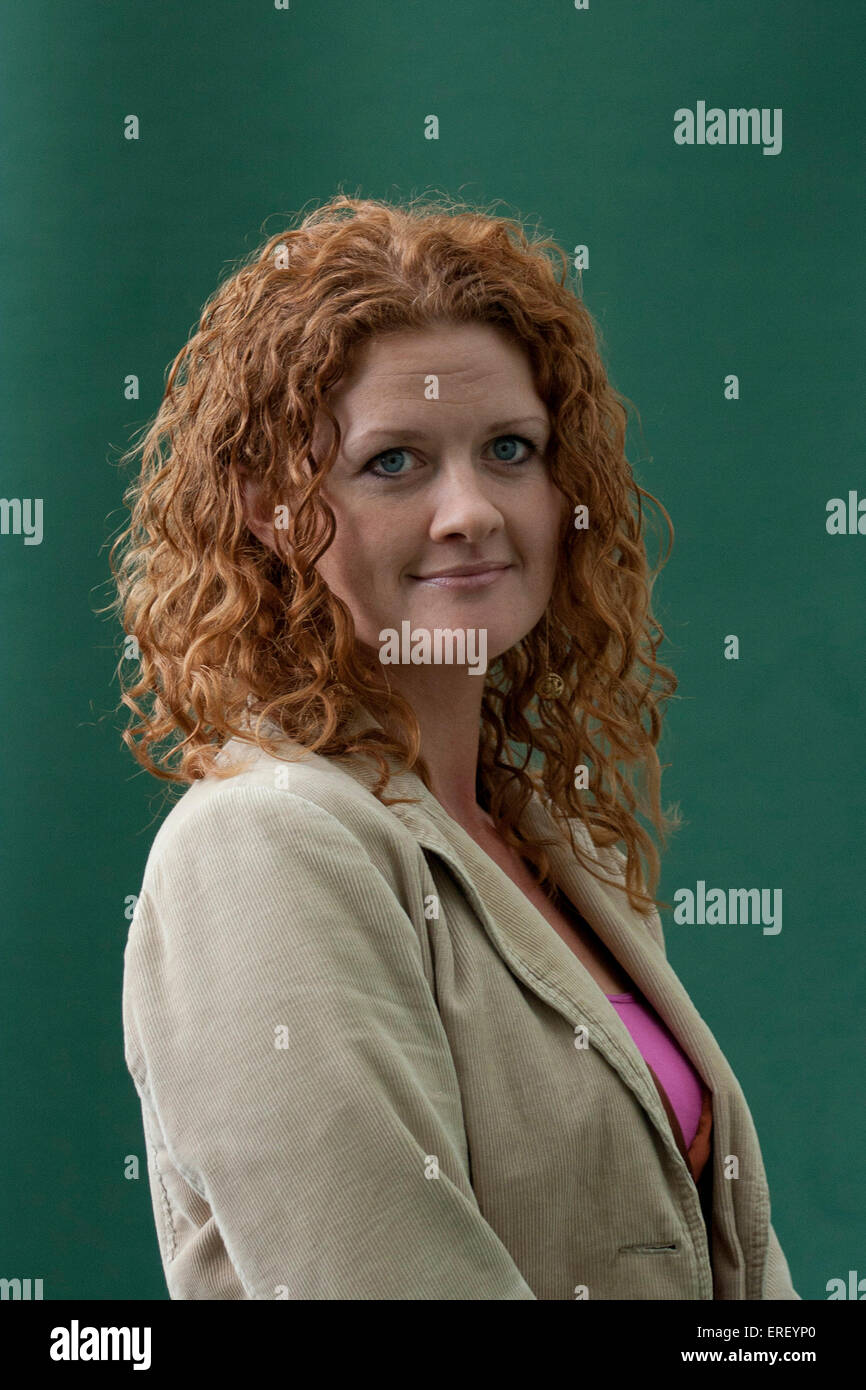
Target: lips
467, 577
465, 571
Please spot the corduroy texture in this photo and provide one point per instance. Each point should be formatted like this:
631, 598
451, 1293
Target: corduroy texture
433, 1127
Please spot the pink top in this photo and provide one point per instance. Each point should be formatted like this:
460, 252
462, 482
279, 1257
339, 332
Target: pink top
662, 1052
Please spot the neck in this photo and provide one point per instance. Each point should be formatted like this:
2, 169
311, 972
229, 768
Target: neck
447, 705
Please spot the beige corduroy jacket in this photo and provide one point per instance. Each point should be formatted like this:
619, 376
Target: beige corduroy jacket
369, 1068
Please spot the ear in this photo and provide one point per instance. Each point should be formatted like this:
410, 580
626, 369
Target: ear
260, 521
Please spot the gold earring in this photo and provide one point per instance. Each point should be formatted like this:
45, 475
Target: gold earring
550, 686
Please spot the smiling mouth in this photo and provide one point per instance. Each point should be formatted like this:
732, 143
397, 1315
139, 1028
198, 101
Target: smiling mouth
480, 578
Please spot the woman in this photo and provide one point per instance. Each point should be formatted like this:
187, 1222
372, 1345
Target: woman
397, 1010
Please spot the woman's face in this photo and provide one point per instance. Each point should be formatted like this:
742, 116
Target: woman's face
441, 465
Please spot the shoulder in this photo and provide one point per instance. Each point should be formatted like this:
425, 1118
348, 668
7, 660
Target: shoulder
243, 869
272, 807
259, 891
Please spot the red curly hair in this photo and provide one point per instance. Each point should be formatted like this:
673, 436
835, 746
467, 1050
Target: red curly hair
225, 626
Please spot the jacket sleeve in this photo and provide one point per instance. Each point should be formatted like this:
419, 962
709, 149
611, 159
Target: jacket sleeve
284, 1036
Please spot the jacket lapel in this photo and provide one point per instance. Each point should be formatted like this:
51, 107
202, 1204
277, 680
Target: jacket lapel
538, 956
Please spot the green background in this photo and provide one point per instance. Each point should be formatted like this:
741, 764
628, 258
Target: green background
704, 261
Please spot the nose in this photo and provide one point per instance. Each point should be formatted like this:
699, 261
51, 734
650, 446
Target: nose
461, 506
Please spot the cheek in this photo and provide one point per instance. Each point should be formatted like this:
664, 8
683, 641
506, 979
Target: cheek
362, 548
545, 521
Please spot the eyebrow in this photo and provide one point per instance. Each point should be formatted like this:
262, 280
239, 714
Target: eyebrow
366, 437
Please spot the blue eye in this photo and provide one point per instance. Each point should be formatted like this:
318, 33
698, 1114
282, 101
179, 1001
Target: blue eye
392, 453
388, 454
520, 440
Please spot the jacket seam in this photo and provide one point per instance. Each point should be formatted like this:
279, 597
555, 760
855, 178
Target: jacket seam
168, 1212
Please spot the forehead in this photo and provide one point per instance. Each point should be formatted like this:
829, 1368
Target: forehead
463, 364
460, 342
